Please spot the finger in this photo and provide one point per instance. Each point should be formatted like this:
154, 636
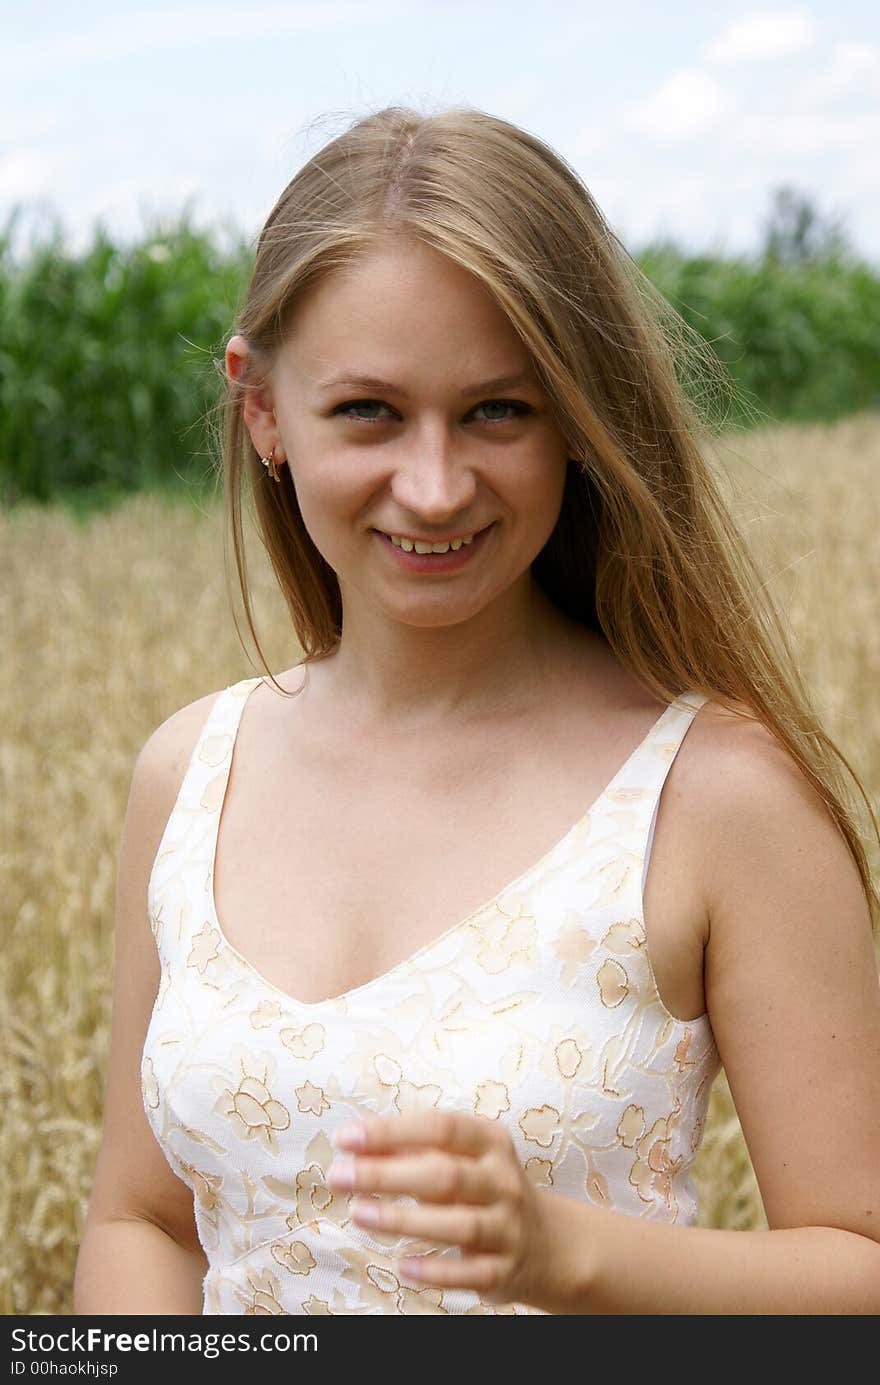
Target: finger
472, 1229
484, 1274
457, 1132
431, 1177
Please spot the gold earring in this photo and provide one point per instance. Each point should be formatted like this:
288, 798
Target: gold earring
271, 465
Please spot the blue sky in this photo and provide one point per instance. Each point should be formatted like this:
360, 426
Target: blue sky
680, 117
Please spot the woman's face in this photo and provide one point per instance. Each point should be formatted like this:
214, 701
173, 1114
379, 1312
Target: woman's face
434, 453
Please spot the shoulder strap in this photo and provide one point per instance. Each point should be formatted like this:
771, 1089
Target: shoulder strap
670, 734
191, 829
629, 804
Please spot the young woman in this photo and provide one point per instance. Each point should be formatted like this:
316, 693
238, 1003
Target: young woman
402, 890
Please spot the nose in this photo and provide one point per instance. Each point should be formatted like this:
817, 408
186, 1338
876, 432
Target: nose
435, 482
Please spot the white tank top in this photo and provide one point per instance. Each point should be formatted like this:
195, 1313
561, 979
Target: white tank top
539, 1010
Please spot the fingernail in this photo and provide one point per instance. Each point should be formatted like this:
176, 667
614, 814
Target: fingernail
366, 1210
341, 1171
350, 1133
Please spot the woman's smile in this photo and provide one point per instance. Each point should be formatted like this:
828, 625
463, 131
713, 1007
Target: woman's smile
451, 561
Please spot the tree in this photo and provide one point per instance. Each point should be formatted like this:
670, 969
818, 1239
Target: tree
795, 232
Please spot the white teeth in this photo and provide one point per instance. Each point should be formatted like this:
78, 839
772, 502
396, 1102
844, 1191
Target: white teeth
408, 545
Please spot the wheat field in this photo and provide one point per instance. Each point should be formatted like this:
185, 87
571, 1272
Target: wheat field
111, 624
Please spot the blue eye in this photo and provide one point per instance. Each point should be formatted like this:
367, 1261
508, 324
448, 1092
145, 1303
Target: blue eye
515, 405
518, 409
359, 404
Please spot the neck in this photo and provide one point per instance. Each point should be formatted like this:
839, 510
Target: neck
387, 676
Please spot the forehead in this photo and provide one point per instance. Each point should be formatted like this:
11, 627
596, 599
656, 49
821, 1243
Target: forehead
398, 310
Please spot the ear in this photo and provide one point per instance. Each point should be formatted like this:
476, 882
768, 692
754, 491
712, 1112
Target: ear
257, 410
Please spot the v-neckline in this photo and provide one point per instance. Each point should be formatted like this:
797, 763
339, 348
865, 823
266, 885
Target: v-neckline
558, 848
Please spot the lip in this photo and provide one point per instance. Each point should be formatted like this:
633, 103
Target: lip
436, 562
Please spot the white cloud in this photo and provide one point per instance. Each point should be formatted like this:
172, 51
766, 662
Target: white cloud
764, 34
688, 103
854, 67
24, 175
17, 126
702, 156
804, 135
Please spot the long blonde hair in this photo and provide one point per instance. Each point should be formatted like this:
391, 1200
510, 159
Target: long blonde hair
645, 550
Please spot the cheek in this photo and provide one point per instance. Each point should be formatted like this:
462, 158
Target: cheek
542, 493
330, 507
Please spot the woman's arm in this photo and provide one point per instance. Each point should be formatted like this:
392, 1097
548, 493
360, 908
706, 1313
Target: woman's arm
139, 1251
793, 997
131, 1266
610, 1263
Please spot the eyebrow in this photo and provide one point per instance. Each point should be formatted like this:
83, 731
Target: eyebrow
371, 382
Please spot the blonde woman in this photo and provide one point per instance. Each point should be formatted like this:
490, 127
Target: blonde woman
403, 1021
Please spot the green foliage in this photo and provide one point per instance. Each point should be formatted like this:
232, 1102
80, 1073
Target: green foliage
799, 336
106, 357
105, 361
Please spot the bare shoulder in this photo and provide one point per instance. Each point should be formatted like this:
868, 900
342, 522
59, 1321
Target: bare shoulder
728, 748
777, 873
773, 866
163, 760
744, 753
749, 828
173, 740
166, 753
755, 807
698, 801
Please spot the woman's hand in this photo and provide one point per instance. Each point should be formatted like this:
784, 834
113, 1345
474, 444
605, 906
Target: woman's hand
472, 1192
